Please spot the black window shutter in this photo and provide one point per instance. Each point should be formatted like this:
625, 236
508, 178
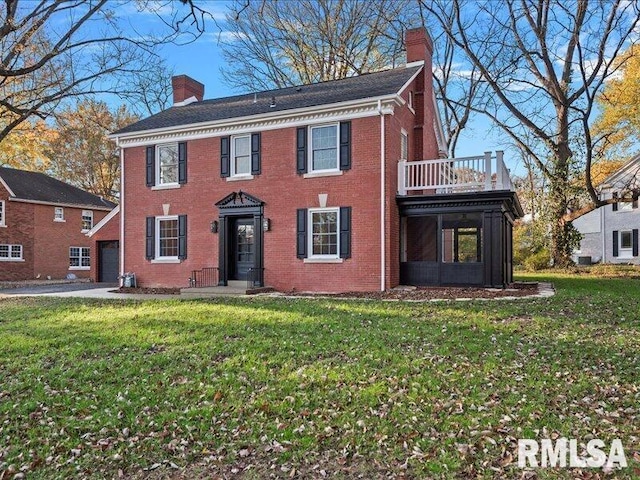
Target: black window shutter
345, 232
634, 203
634, 234
151, 238
615, 243
301, 149
225, 157
301, 243
182, 162
182, 237
615, 202
345, 145
255, 154
151, 166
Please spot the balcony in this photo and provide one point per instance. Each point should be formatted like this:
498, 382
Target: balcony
454, 175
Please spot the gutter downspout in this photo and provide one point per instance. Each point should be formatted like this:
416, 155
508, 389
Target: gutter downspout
382, 198
121, 244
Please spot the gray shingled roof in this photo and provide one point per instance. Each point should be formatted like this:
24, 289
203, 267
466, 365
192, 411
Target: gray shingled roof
38, 187
369, 85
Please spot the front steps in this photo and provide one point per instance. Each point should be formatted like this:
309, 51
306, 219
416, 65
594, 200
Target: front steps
234, 288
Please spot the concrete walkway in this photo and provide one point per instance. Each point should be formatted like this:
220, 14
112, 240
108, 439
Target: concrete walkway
82, 290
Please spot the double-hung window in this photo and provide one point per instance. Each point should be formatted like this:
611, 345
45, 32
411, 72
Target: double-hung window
324, 227
2, 214
87, 220
58, 215
324, 148
10, 253
79, 258
626, 243
241, 156
167, 238
167, 164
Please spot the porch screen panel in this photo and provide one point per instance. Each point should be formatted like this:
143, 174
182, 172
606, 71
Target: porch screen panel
422, 239
462, 238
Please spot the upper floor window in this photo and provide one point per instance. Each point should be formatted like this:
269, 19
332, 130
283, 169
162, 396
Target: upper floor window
241, 155
410, 100
2, 214
58, 214
10, 253
87, 220
79, 258
404, 146
324, 148
167, 164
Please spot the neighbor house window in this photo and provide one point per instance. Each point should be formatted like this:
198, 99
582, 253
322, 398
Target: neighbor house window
324, 148
79, 258
87, 220
461, 238
167, 164
241, 155
626, 243
624, 205
324, 230
167, 246
58, 215
10, 253
2, 214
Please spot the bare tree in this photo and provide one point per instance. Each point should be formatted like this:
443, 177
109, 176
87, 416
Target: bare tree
53, 51
544, 63
276, 44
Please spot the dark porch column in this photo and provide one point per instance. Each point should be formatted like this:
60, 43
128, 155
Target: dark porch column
223, 250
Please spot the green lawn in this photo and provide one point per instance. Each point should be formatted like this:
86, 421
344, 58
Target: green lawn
307, 388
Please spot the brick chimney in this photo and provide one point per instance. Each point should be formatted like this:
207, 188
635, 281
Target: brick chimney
185, 88
419, 47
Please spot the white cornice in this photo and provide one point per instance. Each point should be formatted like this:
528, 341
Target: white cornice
56, 204
268, 121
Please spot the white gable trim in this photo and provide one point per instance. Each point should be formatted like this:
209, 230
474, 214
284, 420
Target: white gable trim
270, 121
408, 82
103, 222
4, 184
626, 169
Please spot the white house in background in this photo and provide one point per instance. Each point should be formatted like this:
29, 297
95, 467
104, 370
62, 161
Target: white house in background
610, 233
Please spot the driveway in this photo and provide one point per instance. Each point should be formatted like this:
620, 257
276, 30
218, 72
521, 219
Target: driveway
83, 290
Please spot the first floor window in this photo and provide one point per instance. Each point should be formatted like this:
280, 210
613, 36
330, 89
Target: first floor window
168, 237
87, 220
324, 148
625, 243
2, 221
58, 216
324, 233
79, 258
241, 155
167, 164
10, 252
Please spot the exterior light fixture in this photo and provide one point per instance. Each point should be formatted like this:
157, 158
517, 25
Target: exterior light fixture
266, 224
214, 226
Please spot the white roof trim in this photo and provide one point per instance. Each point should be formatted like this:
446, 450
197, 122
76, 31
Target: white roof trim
625, 169
417, 63
441, 138
408, 82
57, 204
269, 121
103, 222
7, 187
186, 101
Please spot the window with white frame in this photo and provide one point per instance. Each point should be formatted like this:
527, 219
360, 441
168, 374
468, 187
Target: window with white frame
79, 258
167, 237
2, 214
404, 146
324, 148
410, 101
626, 243
167, 164
324, 227
10, 253
58, 215
625, 205
241, 155
87, 220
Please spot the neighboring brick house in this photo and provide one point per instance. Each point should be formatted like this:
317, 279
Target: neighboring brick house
43, 223
610, 233
309, 188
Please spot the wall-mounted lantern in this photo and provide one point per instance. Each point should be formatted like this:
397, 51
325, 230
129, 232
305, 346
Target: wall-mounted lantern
266, 224
214, 226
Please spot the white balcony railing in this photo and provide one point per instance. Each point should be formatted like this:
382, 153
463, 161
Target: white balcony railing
453, 175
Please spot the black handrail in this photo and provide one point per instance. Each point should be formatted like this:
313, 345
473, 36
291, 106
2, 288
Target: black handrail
255, 277
207, 277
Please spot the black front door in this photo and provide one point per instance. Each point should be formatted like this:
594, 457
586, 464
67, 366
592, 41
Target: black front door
108, 259
243, 248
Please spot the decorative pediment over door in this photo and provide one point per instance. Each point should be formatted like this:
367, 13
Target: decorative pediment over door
239, 200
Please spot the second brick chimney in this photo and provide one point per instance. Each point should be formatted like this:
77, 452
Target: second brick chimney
186, 90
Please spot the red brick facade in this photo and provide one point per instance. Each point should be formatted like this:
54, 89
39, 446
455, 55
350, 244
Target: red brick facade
283, 191
45, 242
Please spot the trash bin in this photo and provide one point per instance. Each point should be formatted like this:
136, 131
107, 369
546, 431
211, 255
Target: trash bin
129, 280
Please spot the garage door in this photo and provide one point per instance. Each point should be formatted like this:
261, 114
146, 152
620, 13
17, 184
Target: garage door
108, 260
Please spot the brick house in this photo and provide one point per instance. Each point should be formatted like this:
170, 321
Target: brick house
319, 187
43, 222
